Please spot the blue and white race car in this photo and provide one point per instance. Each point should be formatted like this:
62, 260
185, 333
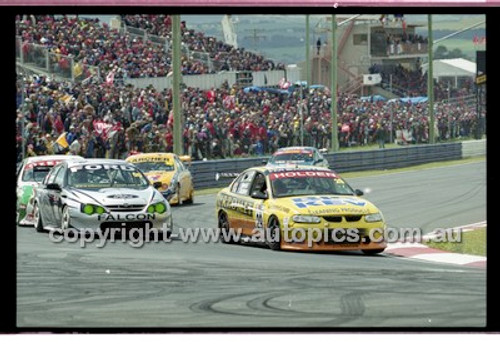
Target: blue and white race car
99, 195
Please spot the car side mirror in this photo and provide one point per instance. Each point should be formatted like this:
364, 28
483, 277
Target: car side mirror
259, 195
320, 161
264, 161
358, 192
157, 185
54, 186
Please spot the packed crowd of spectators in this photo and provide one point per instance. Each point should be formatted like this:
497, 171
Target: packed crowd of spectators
406, 82
91, 43
101, 120
412, 83
224, 56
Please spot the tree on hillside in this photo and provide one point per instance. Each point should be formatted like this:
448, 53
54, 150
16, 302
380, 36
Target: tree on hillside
455, 54
442, 52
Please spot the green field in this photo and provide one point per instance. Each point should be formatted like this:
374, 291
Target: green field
473, 242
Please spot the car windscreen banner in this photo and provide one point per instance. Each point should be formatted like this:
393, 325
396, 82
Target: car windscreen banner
302, 174
41, 163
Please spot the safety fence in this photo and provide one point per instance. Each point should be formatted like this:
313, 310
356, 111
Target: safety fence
57, 65
377, 159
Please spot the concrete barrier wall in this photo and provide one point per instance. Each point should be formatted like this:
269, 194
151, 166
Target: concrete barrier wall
377, 159
473, 148
208, 81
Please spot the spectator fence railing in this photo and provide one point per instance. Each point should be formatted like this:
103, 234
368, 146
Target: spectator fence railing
204, 58
57, 65
470, 99
136, 31
85, 73
19, 44
36, 55
162, 41
61, 65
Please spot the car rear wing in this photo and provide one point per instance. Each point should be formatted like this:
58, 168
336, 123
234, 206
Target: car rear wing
185, 159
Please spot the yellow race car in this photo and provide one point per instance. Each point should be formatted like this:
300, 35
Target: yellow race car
304, 208
167, 168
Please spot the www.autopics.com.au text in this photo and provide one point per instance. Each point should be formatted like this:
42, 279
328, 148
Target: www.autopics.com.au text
137, 237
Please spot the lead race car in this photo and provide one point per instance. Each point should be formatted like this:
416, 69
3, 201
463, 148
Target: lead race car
272, 203
99, 195
31, 173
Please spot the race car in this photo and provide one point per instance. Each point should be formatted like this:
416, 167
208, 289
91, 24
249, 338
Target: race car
305, 208
176, 180
100, 195
297, 156
31, 173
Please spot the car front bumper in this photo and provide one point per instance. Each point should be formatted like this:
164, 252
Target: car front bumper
309, 242
120, 220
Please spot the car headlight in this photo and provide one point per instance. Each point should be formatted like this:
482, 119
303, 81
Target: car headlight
306, 219
159, 208
374, 217
90, 209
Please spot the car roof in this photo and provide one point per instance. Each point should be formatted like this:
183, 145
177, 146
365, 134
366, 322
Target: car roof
52, 157
72, 163
299, 168
284, 149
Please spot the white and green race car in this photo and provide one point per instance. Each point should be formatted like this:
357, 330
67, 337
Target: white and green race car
30, 174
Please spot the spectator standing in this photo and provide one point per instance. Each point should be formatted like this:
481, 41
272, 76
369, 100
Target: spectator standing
380, 135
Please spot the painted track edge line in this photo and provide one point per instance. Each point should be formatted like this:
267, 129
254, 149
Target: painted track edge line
423, 253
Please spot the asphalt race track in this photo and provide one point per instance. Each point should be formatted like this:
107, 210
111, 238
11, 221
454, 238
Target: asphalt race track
182, 285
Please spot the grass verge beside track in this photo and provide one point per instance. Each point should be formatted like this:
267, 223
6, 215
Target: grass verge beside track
473, 242
349, 175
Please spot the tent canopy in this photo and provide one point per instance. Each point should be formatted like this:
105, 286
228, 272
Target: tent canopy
264, 89
451, 68
413, 100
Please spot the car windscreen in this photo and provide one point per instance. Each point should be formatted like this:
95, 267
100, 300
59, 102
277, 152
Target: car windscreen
151, 166
300, 183
283, 158
36, 174
98, 176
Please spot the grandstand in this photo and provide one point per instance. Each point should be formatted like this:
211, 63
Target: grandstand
134, 47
